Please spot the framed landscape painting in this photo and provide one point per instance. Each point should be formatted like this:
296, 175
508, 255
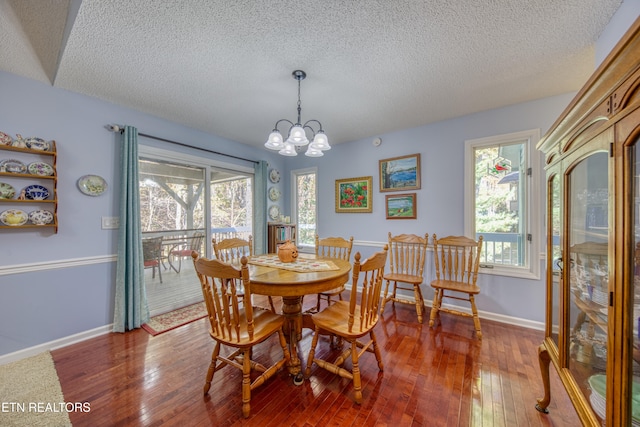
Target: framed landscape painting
401, 206
354, 194
400, 173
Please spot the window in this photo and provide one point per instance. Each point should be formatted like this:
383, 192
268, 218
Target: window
231, 204
502, 201
304, 210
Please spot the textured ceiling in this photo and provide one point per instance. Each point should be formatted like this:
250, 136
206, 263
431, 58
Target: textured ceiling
373, 66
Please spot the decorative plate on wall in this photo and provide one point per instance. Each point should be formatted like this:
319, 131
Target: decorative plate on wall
12, 166
274, 194
274, 175
274, 212
92, 185
5, 139
40, 217
36, 192
6, 191
37, 144
13, 217
40, 168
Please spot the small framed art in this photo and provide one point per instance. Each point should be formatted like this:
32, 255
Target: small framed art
400, 173
353, 195
401, 206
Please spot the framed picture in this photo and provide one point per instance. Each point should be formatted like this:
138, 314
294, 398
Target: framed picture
401, 206
354, 194
400, 173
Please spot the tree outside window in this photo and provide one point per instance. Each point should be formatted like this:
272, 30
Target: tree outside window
305, 195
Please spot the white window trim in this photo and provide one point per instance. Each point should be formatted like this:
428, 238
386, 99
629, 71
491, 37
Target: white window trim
294, 201
190, 159
533, 203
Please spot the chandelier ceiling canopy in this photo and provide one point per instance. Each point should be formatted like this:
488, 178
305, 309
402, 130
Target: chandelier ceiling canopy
297, 133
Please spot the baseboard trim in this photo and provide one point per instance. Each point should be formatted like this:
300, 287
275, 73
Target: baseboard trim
55, 344
501, 318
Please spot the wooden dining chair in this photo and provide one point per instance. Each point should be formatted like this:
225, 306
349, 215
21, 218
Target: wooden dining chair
232, 250
235, 326
181, 250
333, 247
353, 320
407, 257
152, 255
456, 260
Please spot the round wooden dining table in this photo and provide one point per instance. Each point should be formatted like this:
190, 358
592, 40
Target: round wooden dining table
292, 286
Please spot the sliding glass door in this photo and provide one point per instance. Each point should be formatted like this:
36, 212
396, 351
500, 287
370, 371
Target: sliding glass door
184, 202
172, 206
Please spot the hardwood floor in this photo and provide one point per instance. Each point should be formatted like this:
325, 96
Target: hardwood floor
432, 377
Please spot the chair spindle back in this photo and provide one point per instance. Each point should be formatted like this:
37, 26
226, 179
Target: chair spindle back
334, 247
222, 286
457, 258
408, 254
367, 280
229, 250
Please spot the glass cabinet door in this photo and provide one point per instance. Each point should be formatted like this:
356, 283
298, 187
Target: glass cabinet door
635, 290
587, 270
554, 228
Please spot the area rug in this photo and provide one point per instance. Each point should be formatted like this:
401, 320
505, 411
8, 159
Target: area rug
30, 394
176, 318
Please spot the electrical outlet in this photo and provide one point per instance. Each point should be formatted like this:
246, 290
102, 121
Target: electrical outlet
110, 222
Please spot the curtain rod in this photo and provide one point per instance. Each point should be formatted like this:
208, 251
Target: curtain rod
120, 129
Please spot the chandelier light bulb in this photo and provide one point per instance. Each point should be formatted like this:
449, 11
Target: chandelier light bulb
275, 141
297, 136
288, 150
313, 152
321, 142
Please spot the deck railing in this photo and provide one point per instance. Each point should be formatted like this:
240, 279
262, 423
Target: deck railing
502, 248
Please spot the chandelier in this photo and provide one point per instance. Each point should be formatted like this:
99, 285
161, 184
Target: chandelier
297, 135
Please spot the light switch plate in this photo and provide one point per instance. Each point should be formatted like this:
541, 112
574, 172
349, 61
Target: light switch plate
110, 222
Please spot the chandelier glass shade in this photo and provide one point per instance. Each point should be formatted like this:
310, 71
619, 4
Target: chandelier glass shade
297, 133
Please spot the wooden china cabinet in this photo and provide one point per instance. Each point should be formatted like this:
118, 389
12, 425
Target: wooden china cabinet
592, 155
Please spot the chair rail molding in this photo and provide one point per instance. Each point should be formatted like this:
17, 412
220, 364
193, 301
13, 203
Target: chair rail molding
55, 264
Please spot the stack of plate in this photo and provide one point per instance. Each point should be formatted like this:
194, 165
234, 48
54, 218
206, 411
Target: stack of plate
598, 399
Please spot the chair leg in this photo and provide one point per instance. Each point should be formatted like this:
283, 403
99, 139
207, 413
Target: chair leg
212, 367
376, 351
437, 300
476, 319
159, 272
419, 301
246, 383
357, 384
318, 303
271, 304
312, 352
386, 297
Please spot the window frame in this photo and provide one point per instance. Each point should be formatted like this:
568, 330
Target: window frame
294, 203
533, 198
